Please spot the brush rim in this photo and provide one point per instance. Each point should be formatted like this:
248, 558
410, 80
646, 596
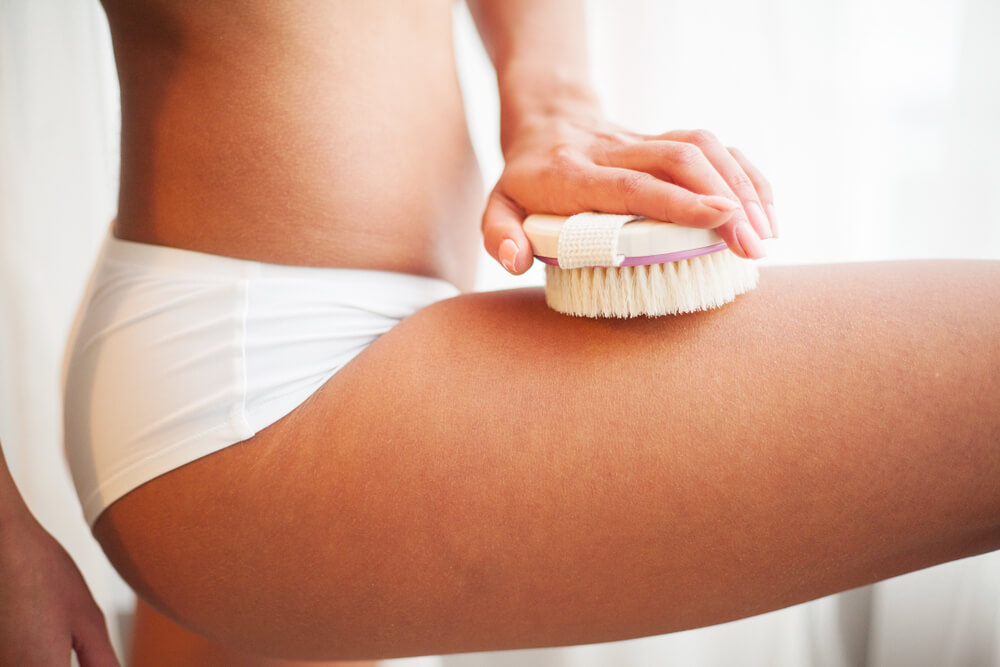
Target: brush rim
651, 259
641, 240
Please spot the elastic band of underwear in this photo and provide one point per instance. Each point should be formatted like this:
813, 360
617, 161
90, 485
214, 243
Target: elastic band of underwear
157, 258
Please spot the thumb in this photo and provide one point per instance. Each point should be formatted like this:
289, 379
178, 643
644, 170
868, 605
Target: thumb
503, 235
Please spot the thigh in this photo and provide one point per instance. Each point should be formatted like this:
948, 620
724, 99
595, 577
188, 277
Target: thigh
158, 641
490, 474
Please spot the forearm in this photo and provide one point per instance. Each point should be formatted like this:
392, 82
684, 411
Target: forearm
539, 51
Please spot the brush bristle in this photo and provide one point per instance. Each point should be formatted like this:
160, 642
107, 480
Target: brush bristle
700, 283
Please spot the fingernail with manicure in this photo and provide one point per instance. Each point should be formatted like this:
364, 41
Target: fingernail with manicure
723, 204
508, 255
749, 241
774, 220
759, 220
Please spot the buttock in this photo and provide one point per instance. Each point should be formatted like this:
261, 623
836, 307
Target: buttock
178, 354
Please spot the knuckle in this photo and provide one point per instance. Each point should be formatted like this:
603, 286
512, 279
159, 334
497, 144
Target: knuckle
484, 226
564, 157
736, 153
590, 180
740, 182
700, 137
631, 184
93, 613
486, 221
687, 154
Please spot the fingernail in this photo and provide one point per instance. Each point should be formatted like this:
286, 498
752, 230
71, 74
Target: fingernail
758, 220
723, 204
774, 220
749, 241
508, 255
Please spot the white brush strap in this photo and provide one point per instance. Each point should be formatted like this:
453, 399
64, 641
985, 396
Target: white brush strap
591, 239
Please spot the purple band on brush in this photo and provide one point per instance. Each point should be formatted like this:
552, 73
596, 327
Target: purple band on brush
656, 259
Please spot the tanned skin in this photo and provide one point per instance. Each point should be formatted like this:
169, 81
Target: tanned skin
490, 474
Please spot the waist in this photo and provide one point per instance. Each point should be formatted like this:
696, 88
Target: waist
292, 149
143, 261
421, 220
411, 206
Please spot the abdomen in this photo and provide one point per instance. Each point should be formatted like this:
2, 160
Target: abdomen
326, 134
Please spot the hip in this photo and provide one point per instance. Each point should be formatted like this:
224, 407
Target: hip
179, 354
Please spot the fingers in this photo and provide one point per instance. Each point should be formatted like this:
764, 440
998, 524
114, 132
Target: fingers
760, 184
503, 236
744, 180
608, 190
92, 644
678, 162
701, 164
685, 177
614, 190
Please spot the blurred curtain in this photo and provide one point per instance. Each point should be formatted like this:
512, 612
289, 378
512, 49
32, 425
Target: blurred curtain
877, 123
58, 186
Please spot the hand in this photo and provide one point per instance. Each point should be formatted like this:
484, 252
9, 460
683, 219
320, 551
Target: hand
570, 164
46, 610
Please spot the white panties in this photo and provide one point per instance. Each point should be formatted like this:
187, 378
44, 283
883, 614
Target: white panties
179, 354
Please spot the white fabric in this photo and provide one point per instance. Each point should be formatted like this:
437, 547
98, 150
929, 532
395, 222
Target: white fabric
180, 354
591, 239
875, 123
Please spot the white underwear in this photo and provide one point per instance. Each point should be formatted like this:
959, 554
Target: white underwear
179, 354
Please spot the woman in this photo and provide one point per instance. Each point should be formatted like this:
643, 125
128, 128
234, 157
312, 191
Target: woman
486, 474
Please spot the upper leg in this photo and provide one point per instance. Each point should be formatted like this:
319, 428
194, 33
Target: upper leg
158, 641
490, 474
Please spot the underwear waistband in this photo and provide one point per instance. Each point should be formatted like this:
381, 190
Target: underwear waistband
166, 259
